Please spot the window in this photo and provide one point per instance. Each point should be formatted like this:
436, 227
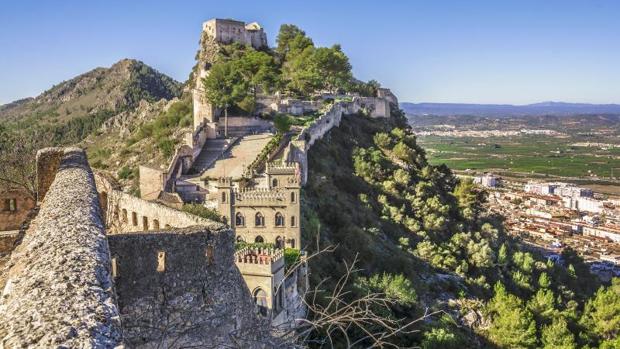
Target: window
279, 220
274, 183
293, 221
239, 220
155, 224
223, 196
279, 242
125, 219
259, 239
240, 239
259, 220
134, 219
145, 223
10, 205
292, 197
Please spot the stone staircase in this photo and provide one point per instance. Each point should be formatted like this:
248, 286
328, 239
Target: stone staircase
211, 151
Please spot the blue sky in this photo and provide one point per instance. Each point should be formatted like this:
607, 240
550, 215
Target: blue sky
501, 51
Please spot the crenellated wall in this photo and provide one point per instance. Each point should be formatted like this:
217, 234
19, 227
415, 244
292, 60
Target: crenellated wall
57, 288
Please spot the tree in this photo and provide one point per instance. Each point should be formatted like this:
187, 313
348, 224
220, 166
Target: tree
291, 39
282, 123
333, 67
512, 326
18, 159
602, 313
225, 86
557, 335
258, 70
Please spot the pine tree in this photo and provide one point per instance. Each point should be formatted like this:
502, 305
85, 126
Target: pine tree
557, 335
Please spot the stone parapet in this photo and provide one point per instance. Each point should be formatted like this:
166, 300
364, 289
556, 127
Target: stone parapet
57, 288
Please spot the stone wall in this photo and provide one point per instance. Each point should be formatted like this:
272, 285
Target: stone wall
127, 213
376, 107
57, 284
181, 288
15, 204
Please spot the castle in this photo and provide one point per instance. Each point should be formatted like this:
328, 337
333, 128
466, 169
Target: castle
98, 267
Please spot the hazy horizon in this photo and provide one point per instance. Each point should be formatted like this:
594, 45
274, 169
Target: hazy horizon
481, 52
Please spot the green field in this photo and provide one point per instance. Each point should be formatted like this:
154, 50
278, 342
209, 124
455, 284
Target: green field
542, 155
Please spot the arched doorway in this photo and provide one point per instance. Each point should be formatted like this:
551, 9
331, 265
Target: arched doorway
259, 239
260, 299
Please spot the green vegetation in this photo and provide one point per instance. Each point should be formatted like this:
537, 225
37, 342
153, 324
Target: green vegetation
202, 211
295, 67
528, 154
161, 129
418, 232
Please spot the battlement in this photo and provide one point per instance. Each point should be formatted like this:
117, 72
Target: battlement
259, 260
224, 182
259, 195
281, 168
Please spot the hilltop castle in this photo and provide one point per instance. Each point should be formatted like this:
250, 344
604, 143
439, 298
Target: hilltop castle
101, 268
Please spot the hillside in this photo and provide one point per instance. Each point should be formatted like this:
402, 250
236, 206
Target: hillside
73, 109
544, 108
422, 238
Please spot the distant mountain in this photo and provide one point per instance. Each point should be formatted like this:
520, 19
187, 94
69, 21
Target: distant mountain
498, 110
99, 91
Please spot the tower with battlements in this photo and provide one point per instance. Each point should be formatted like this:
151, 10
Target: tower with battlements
269, 214
216, 32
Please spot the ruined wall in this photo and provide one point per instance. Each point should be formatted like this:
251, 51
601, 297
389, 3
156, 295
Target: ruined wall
181, 288
57, 288
127, 213
15, 204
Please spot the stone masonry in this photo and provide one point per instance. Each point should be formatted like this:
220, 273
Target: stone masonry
67, 285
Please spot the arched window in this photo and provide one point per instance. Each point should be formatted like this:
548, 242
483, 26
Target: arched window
145, 223
155, 224
125, 218
260, 299
134, 219
293, 221
259, 239
274, 183
240, 239
223, 196
279, 242
292, 196
279, 220
239, 220
259, 220
292, 242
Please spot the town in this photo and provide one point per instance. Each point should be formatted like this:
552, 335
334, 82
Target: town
551, 216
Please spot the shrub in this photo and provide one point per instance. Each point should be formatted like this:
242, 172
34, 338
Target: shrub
202, 211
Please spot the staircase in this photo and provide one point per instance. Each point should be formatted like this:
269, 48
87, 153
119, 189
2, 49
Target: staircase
211, 151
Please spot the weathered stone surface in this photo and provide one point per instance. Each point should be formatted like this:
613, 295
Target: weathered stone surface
57, 290
181, 288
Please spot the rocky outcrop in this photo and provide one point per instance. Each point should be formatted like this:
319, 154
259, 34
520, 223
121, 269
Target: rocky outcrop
57, 289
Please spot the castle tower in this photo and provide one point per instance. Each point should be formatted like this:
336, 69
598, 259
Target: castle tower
285, 178
225, 198
216, 32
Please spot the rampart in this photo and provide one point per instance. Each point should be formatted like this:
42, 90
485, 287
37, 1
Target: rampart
127, 213
375, 107
57, 285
